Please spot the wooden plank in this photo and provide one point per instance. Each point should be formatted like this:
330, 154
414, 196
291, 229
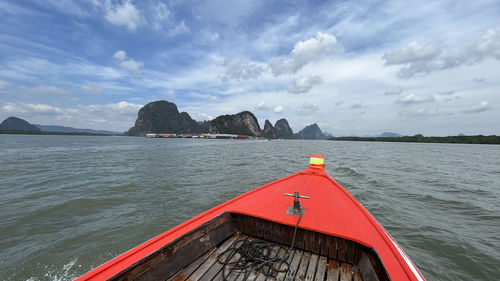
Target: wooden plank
341, 249
323, 245
184, 256
333, 271
345, 272
304, 262
253, 275
294, 266
200, 271
366, 268
332, 247
350, 251
357, 276
291, 256
215, 272
288, 233
316, 243
311, 269
235, 274
185, 272
357, 253
377, 265
263, 276
308, 240
299, 239
219, 224
246, 224
321, 269
281, 275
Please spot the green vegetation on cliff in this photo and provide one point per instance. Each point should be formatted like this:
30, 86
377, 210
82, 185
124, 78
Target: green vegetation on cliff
478, 139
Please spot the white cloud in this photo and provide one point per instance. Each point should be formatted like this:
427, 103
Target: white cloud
202, 116
210, 36
44, 90
179, 28
29, 108
124, 14
304, 84
239, 69
421, 113
263, 106
170, 94
120, 108
114, 116
412, 53
305, 52
413, 99
422, 59
482, 106
489, 44
278, 109
131, 65
91, 88
127, 63
120, 55
306, 108
161, 14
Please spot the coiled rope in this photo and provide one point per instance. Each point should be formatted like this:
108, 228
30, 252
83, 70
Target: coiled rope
245, 256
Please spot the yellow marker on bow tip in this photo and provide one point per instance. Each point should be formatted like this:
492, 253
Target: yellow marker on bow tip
317, 162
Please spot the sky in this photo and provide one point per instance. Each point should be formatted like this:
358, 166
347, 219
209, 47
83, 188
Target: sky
352, 67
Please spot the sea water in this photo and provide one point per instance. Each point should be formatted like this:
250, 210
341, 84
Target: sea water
70, 203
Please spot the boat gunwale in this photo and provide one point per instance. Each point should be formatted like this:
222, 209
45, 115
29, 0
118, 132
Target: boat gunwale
150, 246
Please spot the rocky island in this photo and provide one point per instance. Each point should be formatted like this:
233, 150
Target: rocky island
311, 132
163, 117
243, 123
18, 124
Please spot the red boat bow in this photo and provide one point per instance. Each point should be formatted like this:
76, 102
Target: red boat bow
330, 209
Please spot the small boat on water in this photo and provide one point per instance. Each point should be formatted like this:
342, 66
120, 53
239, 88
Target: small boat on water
303, 227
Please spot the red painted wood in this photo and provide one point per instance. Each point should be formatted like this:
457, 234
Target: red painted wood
330, 210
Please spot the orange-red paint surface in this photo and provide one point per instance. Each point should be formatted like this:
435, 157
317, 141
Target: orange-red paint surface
330, 209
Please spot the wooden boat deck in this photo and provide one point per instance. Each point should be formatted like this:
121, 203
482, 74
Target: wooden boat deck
304, 266
316, 256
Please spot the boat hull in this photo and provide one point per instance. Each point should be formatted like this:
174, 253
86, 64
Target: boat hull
330, 211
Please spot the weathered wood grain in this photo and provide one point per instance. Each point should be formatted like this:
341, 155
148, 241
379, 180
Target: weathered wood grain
321, 269
186, 271
178, 251
311, 268
345, 272
333, 271
304, 263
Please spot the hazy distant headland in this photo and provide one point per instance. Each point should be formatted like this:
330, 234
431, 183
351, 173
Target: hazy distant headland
14, 125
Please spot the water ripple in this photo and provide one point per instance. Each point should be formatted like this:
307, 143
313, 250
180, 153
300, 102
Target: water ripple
70, 203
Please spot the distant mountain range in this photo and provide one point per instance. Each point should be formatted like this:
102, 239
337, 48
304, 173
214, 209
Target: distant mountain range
14, 124
164, 117
18, 124
389, 135
63, 129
